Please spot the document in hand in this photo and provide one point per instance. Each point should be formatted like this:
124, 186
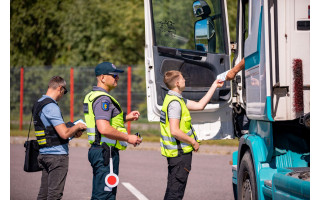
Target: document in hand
79, 121
222, 76
70, 124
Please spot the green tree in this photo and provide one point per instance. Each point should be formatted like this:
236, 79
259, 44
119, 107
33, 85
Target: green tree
35, 35
232, 18
76, 33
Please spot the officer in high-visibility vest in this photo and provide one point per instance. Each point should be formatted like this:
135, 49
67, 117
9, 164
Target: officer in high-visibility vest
178, 138
105, 128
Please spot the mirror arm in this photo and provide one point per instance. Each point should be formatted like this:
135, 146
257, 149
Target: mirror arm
233, 46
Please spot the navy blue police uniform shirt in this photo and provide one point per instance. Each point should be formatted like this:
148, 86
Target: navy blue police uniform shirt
103, 107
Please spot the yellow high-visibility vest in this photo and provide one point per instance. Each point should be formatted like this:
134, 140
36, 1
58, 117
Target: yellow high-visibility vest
168, 143
116, 122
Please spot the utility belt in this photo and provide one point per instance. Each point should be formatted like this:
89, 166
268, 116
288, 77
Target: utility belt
106, 152
95, 137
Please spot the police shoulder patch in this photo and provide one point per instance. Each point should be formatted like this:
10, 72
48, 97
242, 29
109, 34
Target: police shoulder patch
105, 105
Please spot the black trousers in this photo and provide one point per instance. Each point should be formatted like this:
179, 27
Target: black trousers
100, 171
54, 174
178, 172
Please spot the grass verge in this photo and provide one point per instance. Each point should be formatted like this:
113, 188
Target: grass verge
150, 135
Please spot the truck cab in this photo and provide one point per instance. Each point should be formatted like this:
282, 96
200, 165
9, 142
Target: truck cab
172, 42
266, 106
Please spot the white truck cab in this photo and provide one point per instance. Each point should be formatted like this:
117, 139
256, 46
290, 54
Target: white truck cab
193, 37
176, 42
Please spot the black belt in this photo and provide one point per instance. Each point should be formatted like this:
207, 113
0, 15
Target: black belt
106, 152
97, 146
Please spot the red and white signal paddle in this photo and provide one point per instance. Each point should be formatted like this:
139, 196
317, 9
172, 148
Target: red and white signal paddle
111, 180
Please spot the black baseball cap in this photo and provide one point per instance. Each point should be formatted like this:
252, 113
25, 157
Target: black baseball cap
106, 68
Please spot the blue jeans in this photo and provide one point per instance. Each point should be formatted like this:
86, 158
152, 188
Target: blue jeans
100, 171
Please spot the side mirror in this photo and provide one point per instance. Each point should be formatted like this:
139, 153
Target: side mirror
203, 33
201, 9
197, 9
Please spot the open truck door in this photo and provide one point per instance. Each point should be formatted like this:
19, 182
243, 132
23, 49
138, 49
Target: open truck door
193, 37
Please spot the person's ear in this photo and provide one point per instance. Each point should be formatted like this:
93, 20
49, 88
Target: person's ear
177, 83
102, 78
60, 88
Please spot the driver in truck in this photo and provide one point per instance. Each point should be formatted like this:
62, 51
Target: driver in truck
233, 72
178, 138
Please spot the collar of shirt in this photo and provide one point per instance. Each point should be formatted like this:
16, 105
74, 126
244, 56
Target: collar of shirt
96, 88
171, 92
46, 96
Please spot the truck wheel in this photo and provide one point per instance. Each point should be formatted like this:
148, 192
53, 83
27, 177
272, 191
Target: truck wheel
247, 188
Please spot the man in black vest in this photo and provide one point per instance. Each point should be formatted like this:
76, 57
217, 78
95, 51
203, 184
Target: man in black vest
53, 138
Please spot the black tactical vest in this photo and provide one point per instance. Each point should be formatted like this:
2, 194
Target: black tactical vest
46, 136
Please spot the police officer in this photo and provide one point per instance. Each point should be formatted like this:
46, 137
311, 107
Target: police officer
53, 137
178, 138
106, 131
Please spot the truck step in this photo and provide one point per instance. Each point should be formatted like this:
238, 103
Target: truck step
300, 169
302, 173
267, 189
268, 183
284, 185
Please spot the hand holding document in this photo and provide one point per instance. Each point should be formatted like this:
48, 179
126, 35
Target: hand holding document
79, 121
222, 76
79, 133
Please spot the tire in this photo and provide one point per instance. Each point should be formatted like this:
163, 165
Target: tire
234, 188
247, 187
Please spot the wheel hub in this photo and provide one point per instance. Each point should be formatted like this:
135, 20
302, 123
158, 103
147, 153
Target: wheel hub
246, 190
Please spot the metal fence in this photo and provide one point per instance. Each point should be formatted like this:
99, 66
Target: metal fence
35, 84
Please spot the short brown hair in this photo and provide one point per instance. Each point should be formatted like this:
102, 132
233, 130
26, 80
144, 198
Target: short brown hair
56, 81
170, 78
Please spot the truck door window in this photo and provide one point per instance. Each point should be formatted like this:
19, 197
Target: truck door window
245, 22
246, 18
174, 22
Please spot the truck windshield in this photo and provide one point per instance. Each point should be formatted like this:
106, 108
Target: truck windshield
174, 26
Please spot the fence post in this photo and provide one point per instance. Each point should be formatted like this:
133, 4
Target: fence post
71, 94
21, 98
129, 97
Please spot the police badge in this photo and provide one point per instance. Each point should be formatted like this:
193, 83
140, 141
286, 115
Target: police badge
105, 105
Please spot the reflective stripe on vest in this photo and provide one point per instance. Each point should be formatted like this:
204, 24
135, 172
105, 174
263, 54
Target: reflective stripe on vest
116, 122
172, 139
168, 143
91, 130
173, 146
106, 140
42, 142
40, 133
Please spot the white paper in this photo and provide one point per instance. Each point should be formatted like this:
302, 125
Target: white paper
76, 122
222, 76
79, 121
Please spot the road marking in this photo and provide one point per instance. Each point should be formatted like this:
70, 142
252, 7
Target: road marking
134, 191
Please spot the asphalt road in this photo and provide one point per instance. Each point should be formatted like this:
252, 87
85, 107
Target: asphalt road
145, 170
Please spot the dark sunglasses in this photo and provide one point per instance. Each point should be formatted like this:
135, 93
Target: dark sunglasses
65, 90
115, 76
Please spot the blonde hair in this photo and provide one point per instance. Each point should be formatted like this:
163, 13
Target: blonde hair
170, 78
